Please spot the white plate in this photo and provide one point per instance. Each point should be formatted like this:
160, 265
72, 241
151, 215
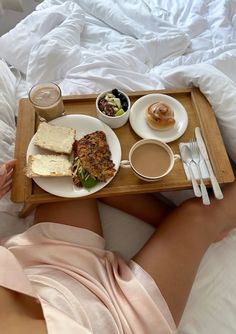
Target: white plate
140, 126
63, 186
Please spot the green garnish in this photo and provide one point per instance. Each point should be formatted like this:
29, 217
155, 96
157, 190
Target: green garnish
86, 179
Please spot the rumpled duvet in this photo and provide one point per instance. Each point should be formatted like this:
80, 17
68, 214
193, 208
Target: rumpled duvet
87, 46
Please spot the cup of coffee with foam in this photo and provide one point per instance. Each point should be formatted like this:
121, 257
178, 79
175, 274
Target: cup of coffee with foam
150, 159
47, 100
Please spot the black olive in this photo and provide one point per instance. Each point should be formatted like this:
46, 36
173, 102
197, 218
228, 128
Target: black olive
123, 100
125, 106
115, 92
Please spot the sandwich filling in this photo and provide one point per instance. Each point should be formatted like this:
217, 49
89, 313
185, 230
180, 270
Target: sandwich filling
92, 160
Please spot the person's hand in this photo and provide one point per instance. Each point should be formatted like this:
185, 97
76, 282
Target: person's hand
6, 171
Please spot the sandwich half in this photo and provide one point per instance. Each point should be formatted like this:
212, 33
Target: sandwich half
55, 138
48, 165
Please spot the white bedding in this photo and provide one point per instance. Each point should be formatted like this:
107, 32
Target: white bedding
87, 46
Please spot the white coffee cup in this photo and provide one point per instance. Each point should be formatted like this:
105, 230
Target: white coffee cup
150, 159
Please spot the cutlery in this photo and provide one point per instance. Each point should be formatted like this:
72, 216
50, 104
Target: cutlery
196, 158
187, 159
202, 147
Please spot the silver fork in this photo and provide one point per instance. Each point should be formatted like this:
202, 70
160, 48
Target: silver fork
196, 159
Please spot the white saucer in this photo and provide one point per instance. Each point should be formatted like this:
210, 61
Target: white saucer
140, 126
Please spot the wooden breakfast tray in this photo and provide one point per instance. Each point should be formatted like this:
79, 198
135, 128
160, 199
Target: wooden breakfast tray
125, 182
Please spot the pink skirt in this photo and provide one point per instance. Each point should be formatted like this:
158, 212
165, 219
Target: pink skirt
82, 287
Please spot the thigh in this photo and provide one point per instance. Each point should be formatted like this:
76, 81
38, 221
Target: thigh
174, 252
81, 213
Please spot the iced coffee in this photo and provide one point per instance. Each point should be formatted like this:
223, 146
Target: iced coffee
47, 100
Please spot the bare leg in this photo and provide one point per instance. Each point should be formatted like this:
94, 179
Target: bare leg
80, 213
174, 252
143, 206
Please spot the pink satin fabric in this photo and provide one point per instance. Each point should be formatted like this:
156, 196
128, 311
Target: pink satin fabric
82, 287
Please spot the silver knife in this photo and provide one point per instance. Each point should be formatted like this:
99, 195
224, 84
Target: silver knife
202, 147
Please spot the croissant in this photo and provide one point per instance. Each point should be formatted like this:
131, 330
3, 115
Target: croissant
160, 116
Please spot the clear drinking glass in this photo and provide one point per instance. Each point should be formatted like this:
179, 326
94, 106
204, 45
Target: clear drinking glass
47, 100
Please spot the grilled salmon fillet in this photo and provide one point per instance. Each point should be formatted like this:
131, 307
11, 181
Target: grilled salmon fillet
94, 155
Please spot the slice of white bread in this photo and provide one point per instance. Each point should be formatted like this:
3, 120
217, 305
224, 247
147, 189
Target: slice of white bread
48, 165
55, 138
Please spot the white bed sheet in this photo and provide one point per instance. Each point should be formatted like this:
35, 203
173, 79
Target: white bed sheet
87, 46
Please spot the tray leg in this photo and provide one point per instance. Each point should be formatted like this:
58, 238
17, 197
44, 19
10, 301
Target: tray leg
26, 210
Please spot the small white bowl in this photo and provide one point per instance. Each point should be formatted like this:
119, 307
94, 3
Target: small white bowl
113, 121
